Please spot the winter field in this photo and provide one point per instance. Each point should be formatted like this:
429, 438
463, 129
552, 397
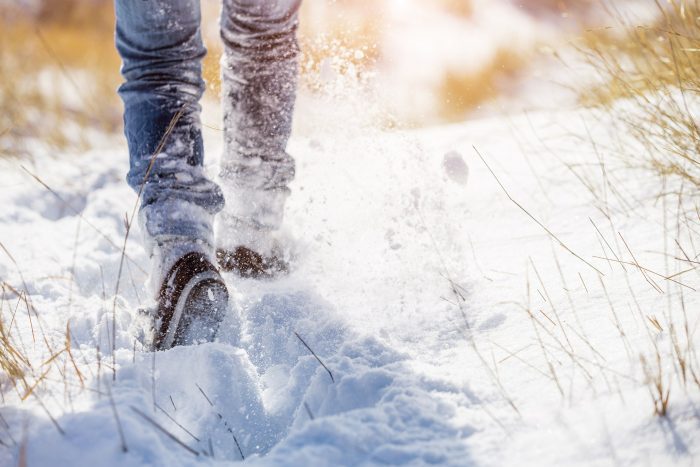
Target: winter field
517, 288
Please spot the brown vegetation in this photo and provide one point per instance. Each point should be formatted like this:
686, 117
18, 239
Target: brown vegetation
655, 70
649, 87
58, 69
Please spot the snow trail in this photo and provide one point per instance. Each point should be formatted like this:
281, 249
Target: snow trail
414, 272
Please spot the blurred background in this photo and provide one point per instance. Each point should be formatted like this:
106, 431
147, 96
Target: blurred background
390, 63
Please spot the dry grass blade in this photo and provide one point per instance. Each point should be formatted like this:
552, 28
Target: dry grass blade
308, 411
6, 426
160, 428
315, 356
177, 423
51, 417
658, 274
659, 391
70, 355
222, 420
116, 418
607, 244
30, 390
549, 232
12, 361
641, 269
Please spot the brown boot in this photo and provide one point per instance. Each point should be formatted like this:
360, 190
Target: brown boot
250, 264
192, 301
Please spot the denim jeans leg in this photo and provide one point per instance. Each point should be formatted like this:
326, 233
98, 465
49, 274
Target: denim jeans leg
259, 73
161, 48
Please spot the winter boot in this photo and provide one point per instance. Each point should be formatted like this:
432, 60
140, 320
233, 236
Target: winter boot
250, 252
192, 301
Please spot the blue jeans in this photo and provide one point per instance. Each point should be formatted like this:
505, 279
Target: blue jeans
161, 48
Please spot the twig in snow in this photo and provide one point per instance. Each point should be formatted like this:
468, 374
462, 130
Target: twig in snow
527, 309
176, 423
222, 420
7, 429
549, 232
51, 417
315, 356
606, 244
116, 417
516, 356
163, 430
641, 270
548, 318
668, 278
204, 394
618, 323
82, 354
551, 305
70, 355
583, 282
22, 454
308, 411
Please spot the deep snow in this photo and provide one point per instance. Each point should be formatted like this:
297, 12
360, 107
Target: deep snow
413, 280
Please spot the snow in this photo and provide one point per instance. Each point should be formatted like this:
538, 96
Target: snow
423, 372
452, 325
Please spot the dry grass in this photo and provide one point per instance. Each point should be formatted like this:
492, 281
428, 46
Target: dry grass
615, 349
651, 84
68, 51
649, 89
12, 362
648, 98
58, 75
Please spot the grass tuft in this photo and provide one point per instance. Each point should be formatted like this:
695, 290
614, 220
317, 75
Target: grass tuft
650, 83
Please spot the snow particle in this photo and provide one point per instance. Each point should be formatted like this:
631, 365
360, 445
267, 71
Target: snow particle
455, 167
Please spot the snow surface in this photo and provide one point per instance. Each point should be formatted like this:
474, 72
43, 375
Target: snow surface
413, 284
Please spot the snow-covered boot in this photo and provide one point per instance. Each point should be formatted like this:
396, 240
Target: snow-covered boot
192, 301
250, 251
251, 264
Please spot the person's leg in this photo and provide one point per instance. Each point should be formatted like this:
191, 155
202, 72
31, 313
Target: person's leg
161, 49
259, 72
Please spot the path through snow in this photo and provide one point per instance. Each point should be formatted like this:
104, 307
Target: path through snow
411, 286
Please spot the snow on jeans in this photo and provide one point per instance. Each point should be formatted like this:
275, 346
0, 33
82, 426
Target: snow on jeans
161, 48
